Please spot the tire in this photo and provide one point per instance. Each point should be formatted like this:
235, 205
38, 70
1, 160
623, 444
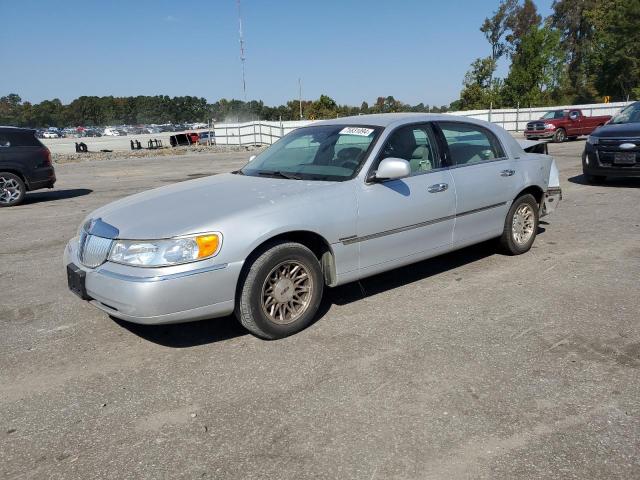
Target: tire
518, 239
560, 135
12, 189
593, 179
281, 270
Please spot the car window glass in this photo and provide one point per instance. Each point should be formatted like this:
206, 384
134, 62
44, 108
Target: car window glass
415, 144
4, 140
470, 144
318, 152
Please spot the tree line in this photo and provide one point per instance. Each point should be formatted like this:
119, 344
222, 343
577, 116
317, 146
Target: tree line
161, 109
584, 51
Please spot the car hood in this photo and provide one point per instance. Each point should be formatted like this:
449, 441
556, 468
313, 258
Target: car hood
612, 130
188, 207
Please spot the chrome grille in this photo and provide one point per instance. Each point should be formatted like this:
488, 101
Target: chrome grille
94, 250
535, 126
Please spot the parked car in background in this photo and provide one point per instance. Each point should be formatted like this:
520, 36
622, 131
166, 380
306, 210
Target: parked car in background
328, 204
91, 132
111, 132
25, 165
50, 134
614, 149
561, 125
207, 138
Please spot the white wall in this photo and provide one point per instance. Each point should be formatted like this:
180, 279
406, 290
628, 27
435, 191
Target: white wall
511, 119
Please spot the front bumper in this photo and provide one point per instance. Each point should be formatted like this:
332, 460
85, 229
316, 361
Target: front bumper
591, 165
159, 295
535, 134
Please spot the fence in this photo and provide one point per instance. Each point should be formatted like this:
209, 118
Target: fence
262, 132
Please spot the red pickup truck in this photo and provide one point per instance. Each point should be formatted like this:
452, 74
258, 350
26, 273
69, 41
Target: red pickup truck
562, 124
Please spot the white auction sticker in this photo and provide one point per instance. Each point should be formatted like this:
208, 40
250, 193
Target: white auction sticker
363, 132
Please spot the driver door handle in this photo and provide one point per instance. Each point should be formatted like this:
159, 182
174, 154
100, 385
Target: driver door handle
507, 173
438, 187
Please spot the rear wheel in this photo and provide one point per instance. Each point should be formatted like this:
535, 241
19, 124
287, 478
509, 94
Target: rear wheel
520, 225
281, 291
12, 189
560, 135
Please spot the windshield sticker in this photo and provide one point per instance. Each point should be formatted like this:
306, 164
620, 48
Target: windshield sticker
362, 132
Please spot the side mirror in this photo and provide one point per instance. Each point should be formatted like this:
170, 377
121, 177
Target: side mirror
251, 158
392, 169
573, 116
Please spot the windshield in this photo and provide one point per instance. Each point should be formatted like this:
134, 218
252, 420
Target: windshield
629, 114
553, 114
321, 152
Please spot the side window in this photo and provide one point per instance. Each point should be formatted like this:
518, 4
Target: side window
470, 144
4, 140
416, 145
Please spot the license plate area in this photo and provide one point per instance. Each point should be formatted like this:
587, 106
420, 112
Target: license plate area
624, 158
76, 280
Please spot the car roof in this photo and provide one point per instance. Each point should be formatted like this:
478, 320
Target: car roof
16, 129
385, 119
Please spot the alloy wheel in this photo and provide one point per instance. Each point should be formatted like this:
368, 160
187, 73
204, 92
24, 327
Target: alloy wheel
287, 292
10, 190
522, 224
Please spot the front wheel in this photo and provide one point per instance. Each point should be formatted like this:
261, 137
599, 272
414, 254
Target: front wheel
281, 291
12, 189
520, 226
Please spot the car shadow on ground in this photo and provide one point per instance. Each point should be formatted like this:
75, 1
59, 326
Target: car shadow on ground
609, 182
53, 195
185, 335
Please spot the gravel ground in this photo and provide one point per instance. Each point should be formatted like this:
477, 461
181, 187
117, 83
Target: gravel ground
469, 365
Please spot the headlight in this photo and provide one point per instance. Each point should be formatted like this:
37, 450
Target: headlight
591, 140
549, 126
162, 253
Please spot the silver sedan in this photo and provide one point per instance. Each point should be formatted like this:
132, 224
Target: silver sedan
328, 204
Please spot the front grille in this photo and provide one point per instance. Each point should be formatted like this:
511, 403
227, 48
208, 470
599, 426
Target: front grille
94, 250
608, 147
535, 126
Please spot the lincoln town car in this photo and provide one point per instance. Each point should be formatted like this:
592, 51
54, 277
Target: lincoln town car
328, 204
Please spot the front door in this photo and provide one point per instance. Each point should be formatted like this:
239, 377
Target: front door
403, 220
486, 180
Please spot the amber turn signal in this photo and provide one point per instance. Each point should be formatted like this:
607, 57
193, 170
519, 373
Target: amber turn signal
207, 245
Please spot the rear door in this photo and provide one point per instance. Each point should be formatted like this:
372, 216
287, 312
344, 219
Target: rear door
403, 220
486, 180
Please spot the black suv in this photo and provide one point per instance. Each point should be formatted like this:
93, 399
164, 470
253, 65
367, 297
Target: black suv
25, 165
613, 150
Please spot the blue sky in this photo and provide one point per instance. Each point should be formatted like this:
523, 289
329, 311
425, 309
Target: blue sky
417, 51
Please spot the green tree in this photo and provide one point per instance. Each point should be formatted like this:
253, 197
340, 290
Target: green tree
615, 57
572, 19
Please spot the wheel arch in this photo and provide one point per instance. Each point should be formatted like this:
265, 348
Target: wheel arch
312, 240
17, 172
534, 190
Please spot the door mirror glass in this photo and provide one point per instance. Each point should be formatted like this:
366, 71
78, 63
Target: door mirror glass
392, 169
573, 115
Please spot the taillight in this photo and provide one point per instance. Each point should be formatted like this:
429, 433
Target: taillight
47, 157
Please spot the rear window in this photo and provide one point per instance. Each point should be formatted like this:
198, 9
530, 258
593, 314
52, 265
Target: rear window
19, 139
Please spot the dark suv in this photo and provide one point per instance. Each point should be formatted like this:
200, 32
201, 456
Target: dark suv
25, 165
613, 150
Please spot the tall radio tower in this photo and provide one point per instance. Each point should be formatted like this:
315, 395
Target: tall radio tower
242, 58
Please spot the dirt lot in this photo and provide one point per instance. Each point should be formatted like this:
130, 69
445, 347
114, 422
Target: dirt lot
470, 365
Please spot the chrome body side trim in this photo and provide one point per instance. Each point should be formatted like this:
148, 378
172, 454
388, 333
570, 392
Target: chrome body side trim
355, 239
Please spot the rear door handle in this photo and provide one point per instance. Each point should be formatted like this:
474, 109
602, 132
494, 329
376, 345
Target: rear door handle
507, 173
438, 187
